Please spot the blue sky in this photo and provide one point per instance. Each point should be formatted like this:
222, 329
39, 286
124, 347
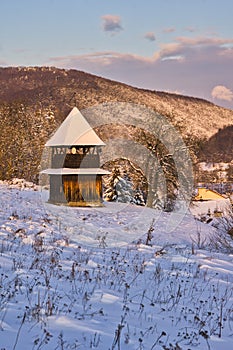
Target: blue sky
181, 46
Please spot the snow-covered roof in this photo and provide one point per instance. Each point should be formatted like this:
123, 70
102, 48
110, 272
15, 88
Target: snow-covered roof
75, 131
75, 171
206, 195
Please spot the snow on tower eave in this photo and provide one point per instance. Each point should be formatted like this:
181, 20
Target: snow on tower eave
79, 171
74, 131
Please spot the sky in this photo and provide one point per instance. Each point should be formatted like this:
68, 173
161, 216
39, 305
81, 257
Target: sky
179, 46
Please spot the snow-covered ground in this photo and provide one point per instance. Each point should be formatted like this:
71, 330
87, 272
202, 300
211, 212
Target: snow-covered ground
61, 287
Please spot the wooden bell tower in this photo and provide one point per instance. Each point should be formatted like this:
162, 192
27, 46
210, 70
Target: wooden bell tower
75, 174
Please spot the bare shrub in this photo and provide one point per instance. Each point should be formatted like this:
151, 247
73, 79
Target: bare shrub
223, 238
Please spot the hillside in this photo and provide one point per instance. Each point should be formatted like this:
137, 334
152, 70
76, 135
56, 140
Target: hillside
63, 89
219, 147
35, 100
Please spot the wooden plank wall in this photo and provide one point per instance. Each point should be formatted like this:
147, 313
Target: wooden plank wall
82, 190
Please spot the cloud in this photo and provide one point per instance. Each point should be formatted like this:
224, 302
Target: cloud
190, 29
98, 61
221, 92
169, 30
20, 50
150, 36
191, 65
196, 48
168, 51
195, 51
203, 41
111, 23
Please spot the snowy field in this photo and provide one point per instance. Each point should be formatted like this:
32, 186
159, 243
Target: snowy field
65, 284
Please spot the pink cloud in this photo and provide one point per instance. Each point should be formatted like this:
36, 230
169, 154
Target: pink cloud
207, 41
150, 36
190, 65
222, 93
168, 50
111, 23
169, 30
190, 29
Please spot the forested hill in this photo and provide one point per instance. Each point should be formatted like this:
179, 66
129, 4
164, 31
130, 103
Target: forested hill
62, 89
35, 100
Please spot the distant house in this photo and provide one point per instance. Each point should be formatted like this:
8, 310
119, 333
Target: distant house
204, 194
209, 202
